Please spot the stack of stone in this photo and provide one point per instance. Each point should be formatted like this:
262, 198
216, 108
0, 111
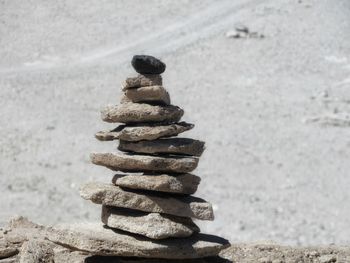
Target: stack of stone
147, 210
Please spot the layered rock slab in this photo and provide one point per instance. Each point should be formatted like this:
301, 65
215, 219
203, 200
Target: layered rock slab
183, 146
183, 206
153, 94
136, 163
143, 132
141, 112
152, 225
176, 183
142, 81
99, 240
109, 259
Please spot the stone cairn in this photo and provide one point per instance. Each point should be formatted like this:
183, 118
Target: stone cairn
147, 210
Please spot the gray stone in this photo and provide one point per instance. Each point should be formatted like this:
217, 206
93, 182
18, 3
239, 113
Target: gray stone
328, 259
34, 251
141, 112
124, 99
111, 195
18, 231
111, 259
182, 146
7, 249
142, 81
152, 225
154, 94
99, 240
143, 132
13, 259
179, 183
137, 163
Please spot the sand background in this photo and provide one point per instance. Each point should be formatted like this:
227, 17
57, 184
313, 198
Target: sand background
274, 112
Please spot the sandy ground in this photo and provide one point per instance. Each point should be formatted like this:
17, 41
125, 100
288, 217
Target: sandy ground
274, 112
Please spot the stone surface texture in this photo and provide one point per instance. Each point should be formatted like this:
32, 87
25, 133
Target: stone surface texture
145, 64
183, 146
175, 183
142, 81
152, 225
20, 231
153, 94
136, 163
141, 112
36, 251
99, 240
111, 195
146, 132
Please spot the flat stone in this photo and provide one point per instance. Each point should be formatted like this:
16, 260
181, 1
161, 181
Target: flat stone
142, 81
143, 132
137, 163
183, 146
141, 112
152, 225
13, 259
102, 241
111, 195
144, 64
7, 249
180, 184
154, 94
111, 259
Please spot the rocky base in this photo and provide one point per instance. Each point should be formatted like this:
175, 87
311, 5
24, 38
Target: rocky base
24, 241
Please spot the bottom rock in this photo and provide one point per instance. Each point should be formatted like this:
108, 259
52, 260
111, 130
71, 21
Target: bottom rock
101, 259
99, 240
152, 225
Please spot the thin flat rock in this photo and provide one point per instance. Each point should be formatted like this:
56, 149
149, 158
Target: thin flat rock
183, 146
111, 259
143, 132
154, 94
111, 195
141, 112
179, 184
152, 225
102, 241
137, 163
142, 81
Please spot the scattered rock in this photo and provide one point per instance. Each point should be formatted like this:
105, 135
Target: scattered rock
34, 251
102, 241
144, 132
182, 146
137, 163
7, 250
142, 81
152, 225
328, 259
10, 260
154, 94
147, 64
242, 31
141, 112
242, 28
111, 195
180, 184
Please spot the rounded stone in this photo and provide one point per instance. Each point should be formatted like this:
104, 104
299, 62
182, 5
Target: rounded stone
144, 64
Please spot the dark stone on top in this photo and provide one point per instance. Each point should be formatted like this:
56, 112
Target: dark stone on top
144, 64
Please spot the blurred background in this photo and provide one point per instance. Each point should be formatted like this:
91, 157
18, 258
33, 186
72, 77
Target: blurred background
267, 84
